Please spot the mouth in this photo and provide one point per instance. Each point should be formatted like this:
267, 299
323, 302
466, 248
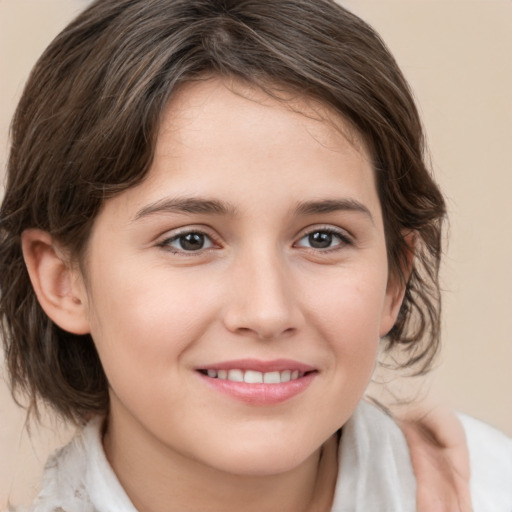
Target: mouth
259, 383
253, 376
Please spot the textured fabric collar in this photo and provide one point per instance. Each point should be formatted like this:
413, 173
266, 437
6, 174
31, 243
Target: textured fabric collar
375, 472
78, 478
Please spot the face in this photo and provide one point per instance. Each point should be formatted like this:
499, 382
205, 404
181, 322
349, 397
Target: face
237, 296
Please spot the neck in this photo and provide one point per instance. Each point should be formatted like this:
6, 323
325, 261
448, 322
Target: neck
158, 480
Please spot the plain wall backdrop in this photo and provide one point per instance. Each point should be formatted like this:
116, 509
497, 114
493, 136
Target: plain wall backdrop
457, 55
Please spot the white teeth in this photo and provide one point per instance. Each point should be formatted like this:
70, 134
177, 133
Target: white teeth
286, 376
236, 375
272, 378
254, 377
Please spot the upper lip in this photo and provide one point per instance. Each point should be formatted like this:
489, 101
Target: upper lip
276, 365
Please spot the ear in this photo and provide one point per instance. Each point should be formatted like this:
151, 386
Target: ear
57, 283
397, 285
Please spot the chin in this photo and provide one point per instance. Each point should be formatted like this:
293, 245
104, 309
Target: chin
262, 459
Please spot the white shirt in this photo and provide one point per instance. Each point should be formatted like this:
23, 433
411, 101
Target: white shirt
375, 472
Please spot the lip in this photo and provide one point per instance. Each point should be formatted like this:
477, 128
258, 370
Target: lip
276, 365
260, 394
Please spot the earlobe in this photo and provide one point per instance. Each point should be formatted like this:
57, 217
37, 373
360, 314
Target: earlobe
397, 285
394, 297
58, 286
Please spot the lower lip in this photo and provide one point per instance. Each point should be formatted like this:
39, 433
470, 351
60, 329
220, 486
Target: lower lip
260, 394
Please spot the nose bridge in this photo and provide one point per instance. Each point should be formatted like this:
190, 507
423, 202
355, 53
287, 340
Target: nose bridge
262, 301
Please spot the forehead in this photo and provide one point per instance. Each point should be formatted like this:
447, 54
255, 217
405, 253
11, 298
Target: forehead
226, 102
234, 143
220, 126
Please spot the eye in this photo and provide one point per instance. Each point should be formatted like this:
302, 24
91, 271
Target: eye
191, 241
323, 239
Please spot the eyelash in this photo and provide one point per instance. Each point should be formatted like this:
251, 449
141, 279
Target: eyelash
344, 240
166, 243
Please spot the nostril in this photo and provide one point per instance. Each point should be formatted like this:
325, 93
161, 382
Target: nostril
263, 316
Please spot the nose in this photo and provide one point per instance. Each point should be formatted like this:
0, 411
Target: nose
262, 302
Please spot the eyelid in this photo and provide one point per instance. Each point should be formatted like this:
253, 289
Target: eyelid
173, 234
345, 237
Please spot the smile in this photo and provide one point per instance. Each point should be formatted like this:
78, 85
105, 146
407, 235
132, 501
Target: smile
257, 382
254, 377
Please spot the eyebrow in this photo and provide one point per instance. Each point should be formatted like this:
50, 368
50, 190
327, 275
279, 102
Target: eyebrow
186, 205
332, 205
192, 205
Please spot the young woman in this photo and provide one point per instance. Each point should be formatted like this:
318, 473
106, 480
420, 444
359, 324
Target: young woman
216, 212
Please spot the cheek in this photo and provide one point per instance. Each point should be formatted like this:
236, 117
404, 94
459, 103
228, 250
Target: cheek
143, 320
353, 306
348, 316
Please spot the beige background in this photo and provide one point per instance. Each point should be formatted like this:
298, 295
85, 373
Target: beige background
457, 55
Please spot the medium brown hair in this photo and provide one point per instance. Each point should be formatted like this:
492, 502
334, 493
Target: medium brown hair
86, 126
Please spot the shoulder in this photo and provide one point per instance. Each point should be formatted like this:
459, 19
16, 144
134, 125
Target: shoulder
78, 477
490, 454
375, 466
63, 486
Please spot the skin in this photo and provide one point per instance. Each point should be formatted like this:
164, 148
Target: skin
248, 174
440, 459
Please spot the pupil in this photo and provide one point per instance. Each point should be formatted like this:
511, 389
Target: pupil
192, 241
320, 240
